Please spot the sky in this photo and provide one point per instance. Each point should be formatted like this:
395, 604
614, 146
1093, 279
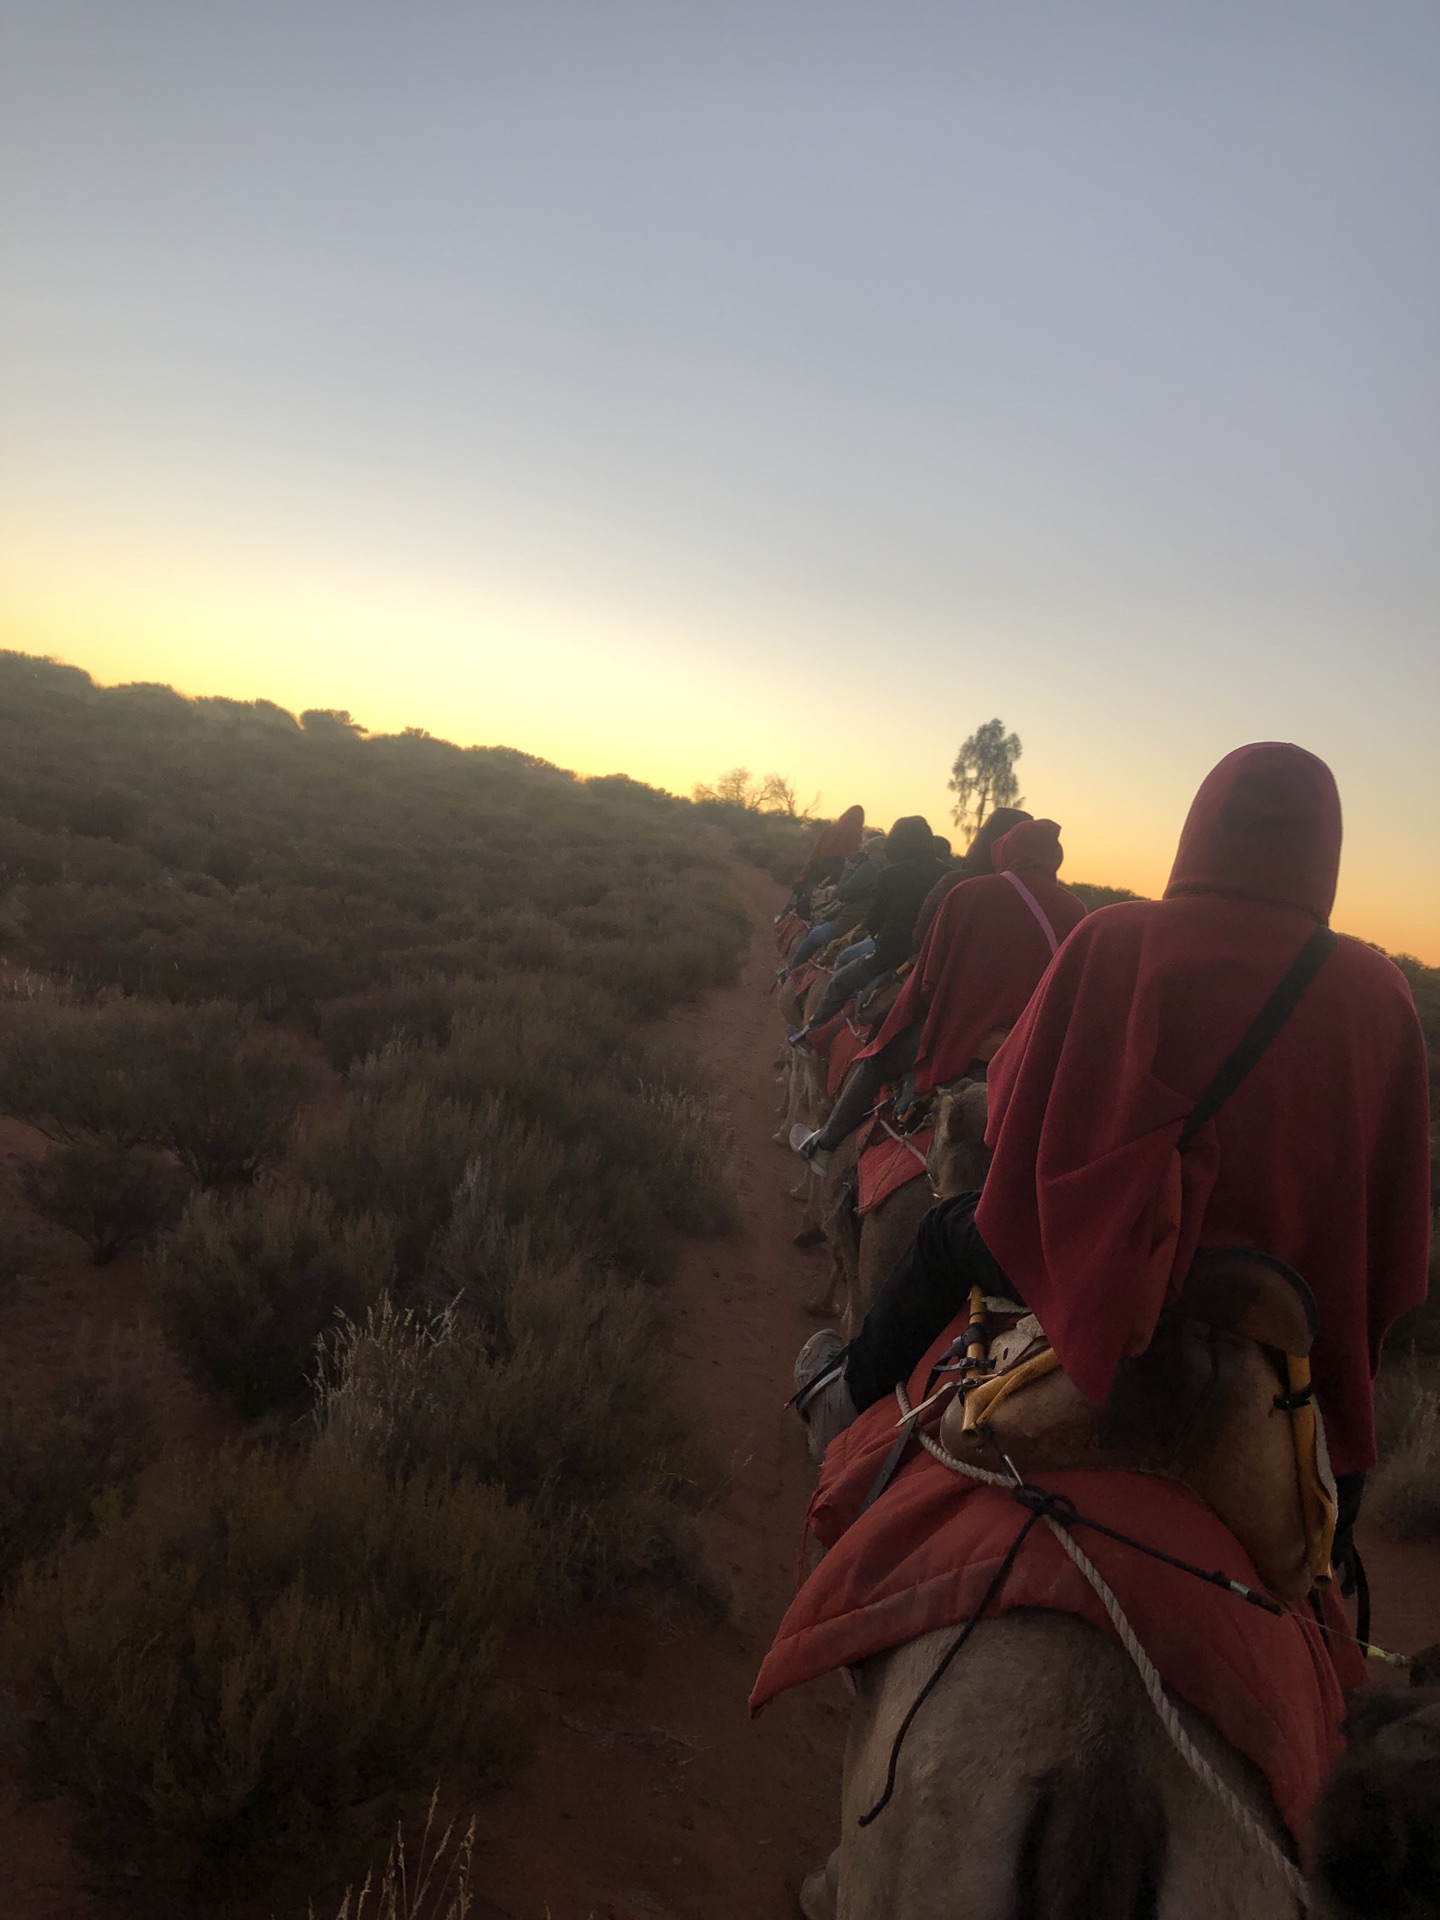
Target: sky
662, 386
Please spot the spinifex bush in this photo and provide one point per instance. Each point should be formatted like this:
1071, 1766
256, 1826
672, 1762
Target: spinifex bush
256, 1649
113, 1197
94, 1430
249, 1281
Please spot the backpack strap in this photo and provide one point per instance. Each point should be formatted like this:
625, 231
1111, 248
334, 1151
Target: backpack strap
1261, 1031
1035, 908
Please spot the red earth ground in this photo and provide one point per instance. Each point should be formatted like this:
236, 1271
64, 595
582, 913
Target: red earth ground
650, 1792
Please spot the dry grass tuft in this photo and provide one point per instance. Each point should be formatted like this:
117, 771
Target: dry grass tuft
435, 1887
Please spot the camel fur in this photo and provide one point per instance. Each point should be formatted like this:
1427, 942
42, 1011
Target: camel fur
1037, 1783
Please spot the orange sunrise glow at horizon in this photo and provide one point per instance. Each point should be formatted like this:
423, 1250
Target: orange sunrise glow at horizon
668, 392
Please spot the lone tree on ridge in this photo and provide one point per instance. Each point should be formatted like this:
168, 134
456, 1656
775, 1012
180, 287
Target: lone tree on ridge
983, 776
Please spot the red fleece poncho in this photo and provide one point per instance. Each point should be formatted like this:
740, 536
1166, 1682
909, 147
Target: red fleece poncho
983, 956
841, 839
1322, 1155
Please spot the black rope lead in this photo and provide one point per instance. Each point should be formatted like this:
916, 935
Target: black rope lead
1002, 1573
1060, 1508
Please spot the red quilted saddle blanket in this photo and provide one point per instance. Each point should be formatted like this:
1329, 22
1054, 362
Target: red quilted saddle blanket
843, 1049
923, 1555
802, 979
886, 1164
789, 932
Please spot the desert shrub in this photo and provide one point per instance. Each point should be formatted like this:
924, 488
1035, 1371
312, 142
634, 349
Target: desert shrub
94, 1430
254, 1650
691, 1159
641, 1156
249, 1281
1094, 896
412, 1013
221, 1095
1402, 1497
1416, 1334
772, 841
396, 1146
230, 1093
82, 1072
551, 1381
283, 866
114, 1198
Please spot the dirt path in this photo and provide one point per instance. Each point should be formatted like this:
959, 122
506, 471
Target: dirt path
652, 1793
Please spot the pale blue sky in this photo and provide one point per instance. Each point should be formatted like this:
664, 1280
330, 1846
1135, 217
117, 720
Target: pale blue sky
661, 386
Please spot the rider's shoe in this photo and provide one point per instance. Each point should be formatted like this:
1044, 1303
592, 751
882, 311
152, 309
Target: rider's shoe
803, 1139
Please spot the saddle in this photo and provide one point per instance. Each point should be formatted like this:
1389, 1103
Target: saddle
1220, 1400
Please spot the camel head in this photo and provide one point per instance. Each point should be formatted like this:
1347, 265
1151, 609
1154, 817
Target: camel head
959, 1159
1376, 1847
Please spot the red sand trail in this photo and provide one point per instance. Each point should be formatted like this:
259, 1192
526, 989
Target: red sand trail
652, 1793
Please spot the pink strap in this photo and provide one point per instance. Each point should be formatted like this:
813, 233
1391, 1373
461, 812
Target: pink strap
1034, 906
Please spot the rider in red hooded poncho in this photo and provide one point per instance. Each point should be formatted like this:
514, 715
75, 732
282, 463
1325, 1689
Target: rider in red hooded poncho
1320, 1157
984, 954
832, 847
989, 943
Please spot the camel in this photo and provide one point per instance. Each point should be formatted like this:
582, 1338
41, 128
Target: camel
1375, 1844
1040, 1743
1037, 1781
865, 1251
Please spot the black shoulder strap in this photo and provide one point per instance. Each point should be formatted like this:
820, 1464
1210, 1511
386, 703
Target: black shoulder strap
1261, 1031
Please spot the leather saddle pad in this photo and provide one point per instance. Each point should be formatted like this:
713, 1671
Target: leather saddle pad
1217, 1401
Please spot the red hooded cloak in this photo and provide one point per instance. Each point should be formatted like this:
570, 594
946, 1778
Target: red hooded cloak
841, 838
983, 956
1321, 1157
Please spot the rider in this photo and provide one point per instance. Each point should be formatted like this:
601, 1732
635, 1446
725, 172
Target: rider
974, 864
991, 940
911, 870
833, 846
1320, 1156
851, 901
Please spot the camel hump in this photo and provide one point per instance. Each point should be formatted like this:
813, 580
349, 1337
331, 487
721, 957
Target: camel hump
1243, 1291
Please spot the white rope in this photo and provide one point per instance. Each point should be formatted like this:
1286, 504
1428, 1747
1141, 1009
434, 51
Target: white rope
1144, 1666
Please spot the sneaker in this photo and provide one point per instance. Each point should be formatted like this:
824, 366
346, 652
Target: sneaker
799, 1039
802, 1140
819, 1353
822, 1398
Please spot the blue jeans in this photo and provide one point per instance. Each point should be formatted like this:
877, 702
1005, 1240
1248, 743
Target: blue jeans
820, 935
861, 950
